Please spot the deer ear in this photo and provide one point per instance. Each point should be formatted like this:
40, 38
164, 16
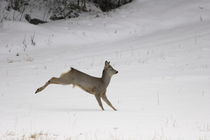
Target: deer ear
107, 63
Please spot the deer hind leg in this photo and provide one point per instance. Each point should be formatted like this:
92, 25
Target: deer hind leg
53, 80
108, 102
98, 98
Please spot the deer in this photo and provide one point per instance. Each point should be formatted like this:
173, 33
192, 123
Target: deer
96, 86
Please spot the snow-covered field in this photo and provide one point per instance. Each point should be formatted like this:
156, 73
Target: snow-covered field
161, 49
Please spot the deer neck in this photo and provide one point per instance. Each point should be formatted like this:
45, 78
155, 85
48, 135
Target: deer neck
106, 78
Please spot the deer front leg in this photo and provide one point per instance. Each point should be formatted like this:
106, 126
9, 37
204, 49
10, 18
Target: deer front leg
108, 102
53, 80
98, 98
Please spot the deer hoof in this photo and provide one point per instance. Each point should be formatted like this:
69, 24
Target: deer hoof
38, 90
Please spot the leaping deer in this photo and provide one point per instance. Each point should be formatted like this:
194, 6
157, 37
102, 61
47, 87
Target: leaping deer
93, 85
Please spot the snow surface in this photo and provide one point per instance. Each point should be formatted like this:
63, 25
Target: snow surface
162, 92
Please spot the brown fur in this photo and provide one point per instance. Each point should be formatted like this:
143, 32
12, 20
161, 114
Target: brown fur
93, 85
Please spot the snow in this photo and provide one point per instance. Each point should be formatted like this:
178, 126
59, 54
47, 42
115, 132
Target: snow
160, 48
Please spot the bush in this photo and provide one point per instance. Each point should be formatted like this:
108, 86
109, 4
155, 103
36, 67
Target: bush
107, 5
64, 9
18, 5
52, 9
